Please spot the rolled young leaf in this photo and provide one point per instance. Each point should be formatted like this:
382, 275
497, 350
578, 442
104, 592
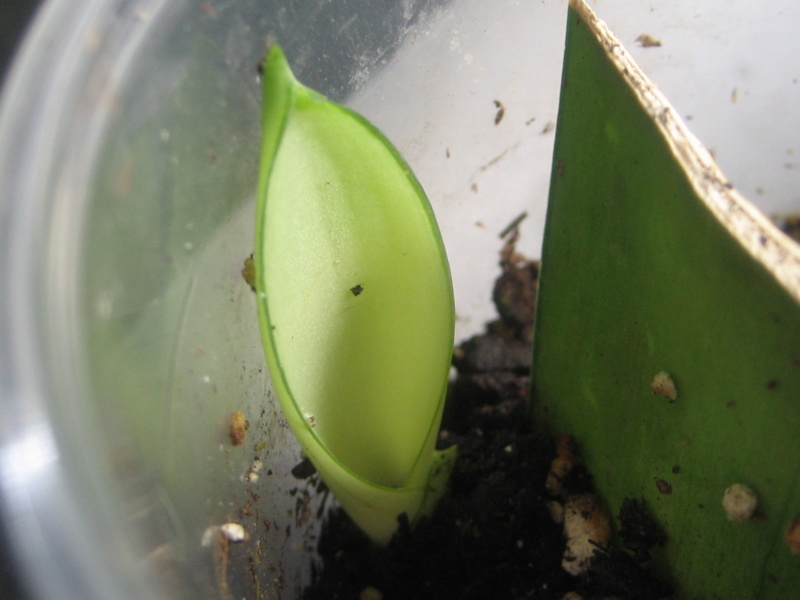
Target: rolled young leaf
355, 300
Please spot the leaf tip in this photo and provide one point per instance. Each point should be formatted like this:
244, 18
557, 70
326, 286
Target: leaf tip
276, 71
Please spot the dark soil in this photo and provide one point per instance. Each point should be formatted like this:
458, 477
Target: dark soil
492, 537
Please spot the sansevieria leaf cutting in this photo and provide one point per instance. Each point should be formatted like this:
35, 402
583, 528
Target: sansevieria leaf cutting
654, 265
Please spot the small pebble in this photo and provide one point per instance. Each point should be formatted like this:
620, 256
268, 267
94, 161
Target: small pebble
587, 528
739, 502
663, 385
238, 428
370, 593
234, 532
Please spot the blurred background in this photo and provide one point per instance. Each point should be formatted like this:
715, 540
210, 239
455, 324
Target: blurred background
14, 18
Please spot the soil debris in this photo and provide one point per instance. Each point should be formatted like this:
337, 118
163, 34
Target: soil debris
648, 41
793, 535
562, 465
234, 532
790, 225
638, 530
304, 469
587, 529
514, 225
664, 487
514, 293
237, 430
249, 272
501, 110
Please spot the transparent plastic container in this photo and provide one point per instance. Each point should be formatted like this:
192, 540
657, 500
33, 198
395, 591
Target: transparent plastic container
129, 133
128, 159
